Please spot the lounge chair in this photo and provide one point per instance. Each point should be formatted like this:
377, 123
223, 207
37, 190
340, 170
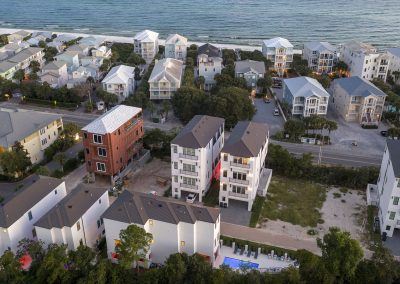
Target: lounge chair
236, 249
256, 254
249, 253
242, 251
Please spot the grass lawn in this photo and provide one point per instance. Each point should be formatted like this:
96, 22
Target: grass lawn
294, 201
211, 198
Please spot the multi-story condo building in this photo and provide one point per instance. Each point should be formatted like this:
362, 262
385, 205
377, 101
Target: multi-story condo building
357, 99
195, 155
176, 227
242, 164
81, 49
176, 47
113, 140
280, 52
394, 65
305, 96
21, 61
18, 36
321, 56
71, 58
250, 70
22, 208
146, 45
388, 188
165, 79
209, 64
120, 81
55, 74
364, 60
76, 219
34, 130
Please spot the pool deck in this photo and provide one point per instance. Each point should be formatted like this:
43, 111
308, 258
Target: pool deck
265, 263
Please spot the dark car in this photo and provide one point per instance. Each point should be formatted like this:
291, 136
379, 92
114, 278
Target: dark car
384, 133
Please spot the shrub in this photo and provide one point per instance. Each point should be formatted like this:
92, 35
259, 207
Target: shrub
256, 210
368, 126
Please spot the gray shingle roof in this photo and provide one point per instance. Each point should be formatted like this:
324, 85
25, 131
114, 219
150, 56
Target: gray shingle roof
394, 153
198, 132
357, 86
18, 204
210, 50
68, 211
139, 207
245, 66
246, 139
17, 124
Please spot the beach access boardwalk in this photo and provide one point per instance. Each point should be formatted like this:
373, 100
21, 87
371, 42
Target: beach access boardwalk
262, 236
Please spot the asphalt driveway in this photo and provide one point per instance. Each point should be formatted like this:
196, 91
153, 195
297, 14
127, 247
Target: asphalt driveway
265, 114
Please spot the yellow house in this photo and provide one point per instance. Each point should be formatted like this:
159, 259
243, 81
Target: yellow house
34, 130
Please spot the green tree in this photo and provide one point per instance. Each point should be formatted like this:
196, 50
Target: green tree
340, 254
200, 82
10, 269
396, 75
43, 171
264, 83
34, 249
105, 65
42, 44
34, 66
15, 162
19, 75
341, 66
294, 128
54, 266
49, 53
174, 269
135, 244
33, 76
166, 107
139, 99
393, 132
61, 158
108, 98
83, 261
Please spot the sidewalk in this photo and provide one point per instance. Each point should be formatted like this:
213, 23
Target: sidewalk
264, 237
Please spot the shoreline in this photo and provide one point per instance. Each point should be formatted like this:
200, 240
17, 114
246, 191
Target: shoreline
123, 39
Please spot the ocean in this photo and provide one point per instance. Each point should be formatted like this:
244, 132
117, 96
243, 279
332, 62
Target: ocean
244, 22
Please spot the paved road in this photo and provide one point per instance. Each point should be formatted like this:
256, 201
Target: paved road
265, 237
332, 156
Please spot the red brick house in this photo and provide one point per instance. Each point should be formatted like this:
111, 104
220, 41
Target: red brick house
113, 140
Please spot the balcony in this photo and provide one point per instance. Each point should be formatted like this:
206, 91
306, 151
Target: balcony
239, 181
188, 157
190, 186
243, 166
241, 195
187, 173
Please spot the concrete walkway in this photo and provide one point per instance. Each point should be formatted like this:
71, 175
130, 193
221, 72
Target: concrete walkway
74, 178
264, 237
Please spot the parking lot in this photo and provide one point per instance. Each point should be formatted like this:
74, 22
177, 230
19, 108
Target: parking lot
265, 114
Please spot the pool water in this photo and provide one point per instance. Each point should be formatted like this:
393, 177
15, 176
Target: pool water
237, 263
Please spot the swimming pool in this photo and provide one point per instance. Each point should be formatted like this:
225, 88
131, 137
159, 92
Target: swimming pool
237, 263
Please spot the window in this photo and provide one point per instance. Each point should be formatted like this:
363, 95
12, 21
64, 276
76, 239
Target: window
396, 201
175, 165
225, 174
34, 233
189, 151
42, 131
55, 191
87, 150
175, 149
81, 242
189, 181
175, 178
224, 187
239, 189
99, 201
102, 152
240, 176
85, 135
78, 226
183, 243
388, 228
392, 215
30, 217
189, 168
398, 183
98, 139
225, 157
98, 224
101, 167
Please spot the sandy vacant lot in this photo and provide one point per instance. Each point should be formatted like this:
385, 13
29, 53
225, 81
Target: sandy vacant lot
345, 212
145, 179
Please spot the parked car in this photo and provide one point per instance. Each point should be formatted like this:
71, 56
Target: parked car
152, 192
191, 198
267, 100
384, 133
276, 112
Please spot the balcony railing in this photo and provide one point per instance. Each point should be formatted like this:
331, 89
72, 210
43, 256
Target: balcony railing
189, 157
241, 195
245, 166
184, 185
187, 173
239, 181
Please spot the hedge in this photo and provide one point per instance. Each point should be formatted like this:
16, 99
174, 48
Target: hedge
265, 249
70, 106
256, 210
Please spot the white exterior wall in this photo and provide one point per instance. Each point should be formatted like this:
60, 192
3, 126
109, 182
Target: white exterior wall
22, 228
72, 61
281, 58
252, 171
394, 64
147, 50
319, 62
121, 90
208, 68
177, 51
203, 162
200, 237
388, 189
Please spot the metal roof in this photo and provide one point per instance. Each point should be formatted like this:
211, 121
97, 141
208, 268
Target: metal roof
112, 120
175, 39
138, 208
18, 124
305, 87
278, 42
357, 86
146, 36
320, 46
15, 206
25, 54
72, 207
199, 131
245, 66
167, 68
247, 139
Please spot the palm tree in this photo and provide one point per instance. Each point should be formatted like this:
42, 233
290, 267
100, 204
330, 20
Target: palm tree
396, 75
201, 80
166, 106
61, 158
152, 108
90, 80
